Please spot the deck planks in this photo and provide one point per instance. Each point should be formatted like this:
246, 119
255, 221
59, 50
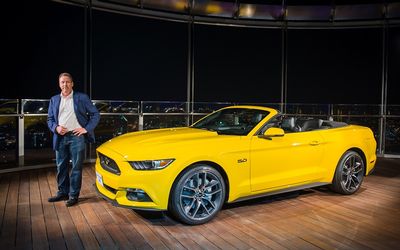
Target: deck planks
309, 219
24, 225
9, 223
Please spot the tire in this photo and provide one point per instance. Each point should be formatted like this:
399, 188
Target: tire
197, 195
349, 173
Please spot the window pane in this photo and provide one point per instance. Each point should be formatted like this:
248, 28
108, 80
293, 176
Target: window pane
392, 136
138, 59
393, 88
164, 107
8, 106
334, 66
234, 64
308, 109
164, 121
8, 141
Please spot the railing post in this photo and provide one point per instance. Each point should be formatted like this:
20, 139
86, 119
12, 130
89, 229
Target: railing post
21, 140
140, 125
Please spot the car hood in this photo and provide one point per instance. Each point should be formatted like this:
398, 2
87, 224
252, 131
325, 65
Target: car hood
150, 142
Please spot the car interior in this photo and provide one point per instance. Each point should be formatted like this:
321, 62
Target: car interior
291, 124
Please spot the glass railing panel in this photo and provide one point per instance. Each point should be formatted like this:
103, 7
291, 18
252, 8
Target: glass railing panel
126, 107
8, 141
37, 140
208, 107
111, 126
393, 110
355, 109
307, 109
164, 121
8, 106
195, 118
302, 116
276, 106
392, 136
164, 107
31, 106
103, 106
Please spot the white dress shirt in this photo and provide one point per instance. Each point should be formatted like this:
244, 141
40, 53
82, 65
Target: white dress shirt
66, 115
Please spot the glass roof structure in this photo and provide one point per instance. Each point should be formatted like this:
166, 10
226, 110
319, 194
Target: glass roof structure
256, 11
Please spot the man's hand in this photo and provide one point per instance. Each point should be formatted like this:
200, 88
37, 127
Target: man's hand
61, 130
79, 131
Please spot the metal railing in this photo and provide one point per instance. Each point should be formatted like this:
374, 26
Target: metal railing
25, 140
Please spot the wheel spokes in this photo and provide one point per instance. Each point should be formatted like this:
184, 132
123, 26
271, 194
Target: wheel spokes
352, 172
201, 195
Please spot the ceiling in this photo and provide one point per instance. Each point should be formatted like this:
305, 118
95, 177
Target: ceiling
278, 11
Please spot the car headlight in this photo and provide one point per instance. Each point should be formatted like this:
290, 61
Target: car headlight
151, 165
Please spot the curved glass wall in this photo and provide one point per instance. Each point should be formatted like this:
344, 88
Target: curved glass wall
183, 59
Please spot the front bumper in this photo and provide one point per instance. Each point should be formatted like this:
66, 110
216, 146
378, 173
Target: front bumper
115, 203
120, 189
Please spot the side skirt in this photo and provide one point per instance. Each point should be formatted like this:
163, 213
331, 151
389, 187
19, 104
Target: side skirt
280, 191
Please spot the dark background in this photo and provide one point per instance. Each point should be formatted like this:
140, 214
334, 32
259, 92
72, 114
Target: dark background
142, 59
138, 58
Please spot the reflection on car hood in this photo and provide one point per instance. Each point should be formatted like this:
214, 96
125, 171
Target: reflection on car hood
152, 140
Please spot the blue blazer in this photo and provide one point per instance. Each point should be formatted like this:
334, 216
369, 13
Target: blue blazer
86, 113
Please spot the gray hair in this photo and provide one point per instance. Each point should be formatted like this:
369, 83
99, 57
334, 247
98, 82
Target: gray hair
66, 74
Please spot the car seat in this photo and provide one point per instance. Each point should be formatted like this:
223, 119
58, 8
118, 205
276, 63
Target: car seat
309, 124
289, 124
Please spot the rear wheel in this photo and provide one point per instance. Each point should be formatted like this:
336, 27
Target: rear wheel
198, 194
349, 173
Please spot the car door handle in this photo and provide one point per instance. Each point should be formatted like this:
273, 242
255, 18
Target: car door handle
314, 143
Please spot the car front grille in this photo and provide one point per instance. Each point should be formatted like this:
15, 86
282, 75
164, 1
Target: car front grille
109, 164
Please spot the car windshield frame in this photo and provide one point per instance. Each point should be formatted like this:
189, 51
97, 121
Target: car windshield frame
232, 121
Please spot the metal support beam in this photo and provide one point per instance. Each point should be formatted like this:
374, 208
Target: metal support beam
383, 111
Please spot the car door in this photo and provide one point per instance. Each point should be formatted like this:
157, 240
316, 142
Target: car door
286, 161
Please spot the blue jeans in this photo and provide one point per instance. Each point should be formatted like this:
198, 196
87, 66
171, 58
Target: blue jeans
71, 148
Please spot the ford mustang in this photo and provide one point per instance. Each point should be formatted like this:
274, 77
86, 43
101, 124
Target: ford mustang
233, 154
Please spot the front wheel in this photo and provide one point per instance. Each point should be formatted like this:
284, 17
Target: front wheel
197, 195
349, 173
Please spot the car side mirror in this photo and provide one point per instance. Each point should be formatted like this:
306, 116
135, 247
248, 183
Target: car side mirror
272, 132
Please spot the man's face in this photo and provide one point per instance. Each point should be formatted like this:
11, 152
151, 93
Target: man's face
66, 85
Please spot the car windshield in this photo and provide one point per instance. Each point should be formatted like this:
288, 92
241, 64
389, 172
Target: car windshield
233, 121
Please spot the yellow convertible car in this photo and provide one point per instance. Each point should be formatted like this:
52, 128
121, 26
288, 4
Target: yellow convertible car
232, 154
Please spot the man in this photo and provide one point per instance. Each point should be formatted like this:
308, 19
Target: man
72, 118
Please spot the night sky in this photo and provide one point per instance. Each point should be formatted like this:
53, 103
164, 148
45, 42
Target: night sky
141, 59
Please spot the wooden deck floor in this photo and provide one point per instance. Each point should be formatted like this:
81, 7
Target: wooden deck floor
310, 219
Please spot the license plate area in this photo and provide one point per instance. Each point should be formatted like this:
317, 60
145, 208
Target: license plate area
99, 179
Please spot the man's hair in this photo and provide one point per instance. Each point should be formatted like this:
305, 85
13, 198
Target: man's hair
66, 74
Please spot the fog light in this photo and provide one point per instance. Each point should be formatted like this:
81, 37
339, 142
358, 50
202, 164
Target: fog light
136, 194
